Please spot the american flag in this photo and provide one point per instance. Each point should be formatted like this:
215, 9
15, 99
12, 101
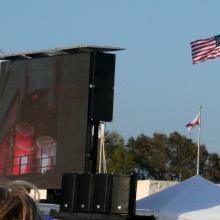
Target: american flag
205, 49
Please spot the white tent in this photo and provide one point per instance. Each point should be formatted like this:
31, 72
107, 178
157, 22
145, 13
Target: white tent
194, 198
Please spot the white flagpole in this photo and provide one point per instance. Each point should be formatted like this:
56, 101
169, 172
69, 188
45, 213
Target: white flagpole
198, 150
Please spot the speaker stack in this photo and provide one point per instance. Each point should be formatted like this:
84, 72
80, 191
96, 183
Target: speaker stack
98, 193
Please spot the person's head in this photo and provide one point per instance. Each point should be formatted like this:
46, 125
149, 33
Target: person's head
15, 202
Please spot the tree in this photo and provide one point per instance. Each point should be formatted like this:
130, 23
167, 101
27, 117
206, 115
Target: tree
183, 154
165, 157
119, 159
162, 157
212, 168
151, 156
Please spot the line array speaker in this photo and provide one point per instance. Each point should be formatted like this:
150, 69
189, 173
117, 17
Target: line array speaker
102, 76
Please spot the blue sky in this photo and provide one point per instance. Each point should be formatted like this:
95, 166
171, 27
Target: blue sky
157, 89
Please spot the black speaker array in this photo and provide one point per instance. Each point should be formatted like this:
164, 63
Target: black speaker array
98, 193
102, 74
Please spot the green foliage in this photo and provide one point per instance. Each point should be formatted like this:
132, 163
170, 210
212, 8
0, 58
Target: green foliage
212, 169
162, 157
119, 159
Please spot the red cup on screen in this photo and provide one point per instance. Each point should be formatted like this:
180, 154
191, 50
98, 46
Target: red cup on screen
23, 147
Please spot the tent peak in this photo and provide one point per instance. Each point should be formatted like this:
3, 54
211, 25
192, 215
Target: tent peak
190, 196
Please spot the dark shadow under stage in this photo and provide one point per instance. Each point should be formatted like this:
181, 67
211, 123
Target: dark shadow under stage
96, 216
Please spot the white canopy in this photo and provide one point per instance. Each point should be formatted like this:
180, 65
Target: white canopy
194, 198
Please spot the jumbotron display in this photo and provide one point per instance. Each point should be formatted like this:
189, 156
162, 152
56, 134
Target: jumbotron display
45, 120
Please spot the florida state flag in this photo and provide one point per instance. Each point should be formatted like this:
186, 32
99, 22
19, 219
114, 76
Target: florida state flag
194, 123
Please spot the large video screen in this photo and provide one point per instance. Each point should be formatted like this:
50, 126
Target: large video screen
44, 118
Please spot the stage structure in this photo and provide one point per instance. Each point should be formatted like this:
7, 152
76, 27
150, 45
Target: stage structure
51, 105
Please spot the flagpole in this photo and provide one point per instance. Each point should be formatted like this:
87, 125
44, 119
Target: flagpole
198, 150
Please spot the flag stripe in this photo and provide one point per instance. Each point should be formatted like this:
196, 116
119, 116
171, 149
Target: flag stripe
202, 40
196, 50
209, 58
203, 52
214, 53
209, 52
193, 44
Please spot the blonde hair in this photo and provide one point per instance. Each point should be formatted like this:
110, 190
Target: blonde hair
15, 202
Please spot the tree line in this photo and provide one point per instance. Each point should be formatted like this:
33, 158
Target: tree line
159, 157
